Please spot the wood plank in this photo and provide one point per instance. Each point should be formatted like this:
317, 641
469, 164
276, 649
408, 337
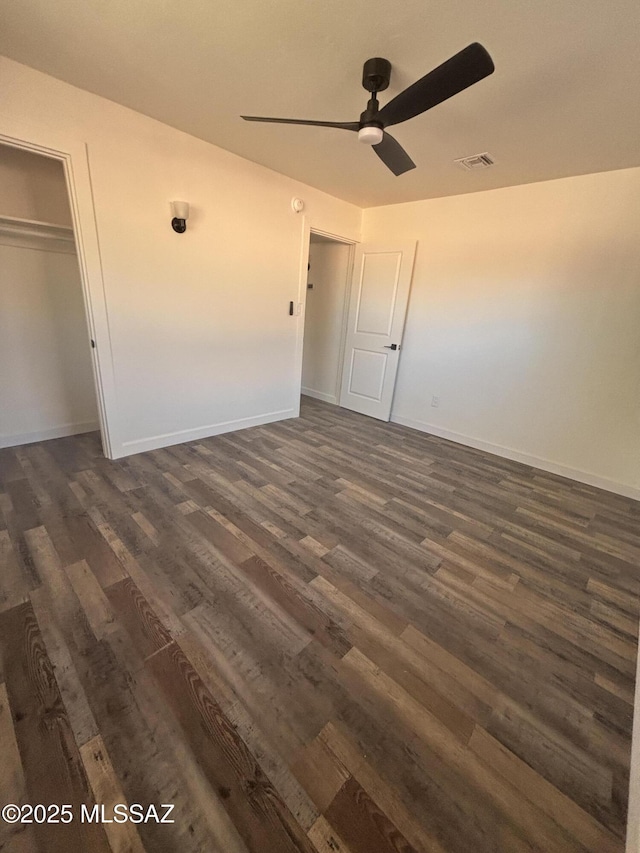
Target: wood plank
134, 612
151, 757
51, 761
334, 737
362, 824
224, 541
92, 547
325, 839
15, 585
301, 610
544, 795
321, 773
81, 719
91, 597
14, 837
459, 723
446, 746
123, 837
261, 817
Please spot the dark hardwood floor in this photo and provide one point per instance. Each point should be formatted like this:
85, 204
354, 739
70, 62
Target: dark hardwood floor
326, 634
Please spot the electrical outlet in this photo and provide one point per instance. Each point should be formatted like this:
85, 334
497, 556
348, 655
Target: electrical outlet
435, 401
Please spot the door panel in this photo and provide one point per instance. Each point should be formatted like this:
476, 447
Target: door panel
377, 310
376, 299
367, 374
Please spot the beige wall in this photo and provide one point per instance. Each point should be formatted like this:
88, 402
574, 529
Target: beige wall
201, 336
524, 319
46, 381
324, 320
32, 187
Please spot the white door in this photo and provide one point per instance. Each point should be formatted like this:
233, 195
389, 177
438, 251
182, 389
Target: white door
377, 308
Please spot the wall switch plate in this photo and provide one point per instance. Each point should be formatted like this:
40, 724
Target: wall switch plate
309, 286
435, 401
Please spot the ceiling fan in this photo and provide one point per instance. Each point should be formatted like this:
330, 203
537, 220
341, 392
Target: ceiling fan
461, 71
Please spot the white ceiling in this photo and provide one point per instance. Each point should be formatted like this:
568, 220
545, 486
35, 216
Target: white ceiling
564, 98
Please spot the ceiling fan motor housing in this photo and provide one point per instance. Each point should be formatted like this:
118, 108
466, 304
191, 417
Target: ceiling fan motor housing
376, 74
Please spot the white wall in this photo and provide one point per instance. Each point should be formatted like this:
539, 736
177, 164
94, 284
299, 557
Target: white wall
324, 319
200, 332
524, 319
46, 382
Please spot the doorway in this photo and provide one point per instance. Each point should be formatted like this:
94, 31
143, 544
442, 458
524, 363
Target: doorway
357, 300
47, 387
328, 277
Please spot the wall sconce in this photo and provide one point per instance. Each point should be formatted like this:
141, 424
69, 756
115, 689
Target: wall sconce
180, 211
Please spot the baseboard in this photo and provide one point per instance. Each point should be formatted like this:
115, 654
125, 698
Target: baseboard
128, 448
633, 819
46, 434
320, 395
549, 465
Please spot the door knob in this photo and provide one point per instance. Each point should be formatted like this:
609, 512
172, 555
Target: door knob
391, 346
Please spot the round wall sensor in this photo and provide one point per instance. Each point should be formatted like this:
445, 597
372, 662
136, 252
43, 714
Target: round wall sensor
297, 205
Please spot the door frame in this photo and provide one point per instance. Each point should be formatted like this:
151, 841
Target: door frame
307, 229
74, 158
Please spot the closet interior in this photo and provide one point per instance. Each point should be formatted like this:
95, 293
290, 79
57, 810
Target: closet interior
47, 386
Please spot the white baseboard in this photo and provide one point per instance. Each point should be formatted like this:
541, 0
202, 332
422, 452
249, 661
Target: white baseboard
549, 465
320, 395
128, 448
633, 819
46, 434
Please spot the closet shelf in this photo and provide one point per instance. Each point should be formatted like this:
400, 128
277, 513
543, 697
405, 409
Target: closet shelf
33, 228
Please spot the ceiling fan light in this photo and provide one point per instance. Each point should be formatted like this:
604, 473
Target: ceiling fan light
371, 135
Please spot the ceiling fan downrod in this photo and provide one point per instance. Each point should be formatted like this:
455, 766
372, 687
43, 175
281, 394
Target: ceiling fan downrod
371, 129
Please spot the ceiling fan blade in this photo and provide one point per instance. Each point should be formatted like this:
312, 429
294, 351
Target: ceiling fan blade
344, 125
393, 155
461, 71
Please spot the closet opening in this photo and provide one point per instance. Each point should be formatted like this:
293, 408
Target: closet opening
47, 378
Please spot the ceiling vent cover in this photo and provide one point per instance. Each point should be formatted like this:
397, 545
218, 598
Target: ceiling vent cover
475, 162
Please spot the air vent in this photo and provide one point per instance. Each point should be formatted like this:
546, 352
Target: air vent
475, 162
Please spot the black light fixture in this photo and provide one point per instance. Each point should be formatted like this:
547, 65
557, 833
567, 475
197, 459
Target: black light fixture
180, 211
